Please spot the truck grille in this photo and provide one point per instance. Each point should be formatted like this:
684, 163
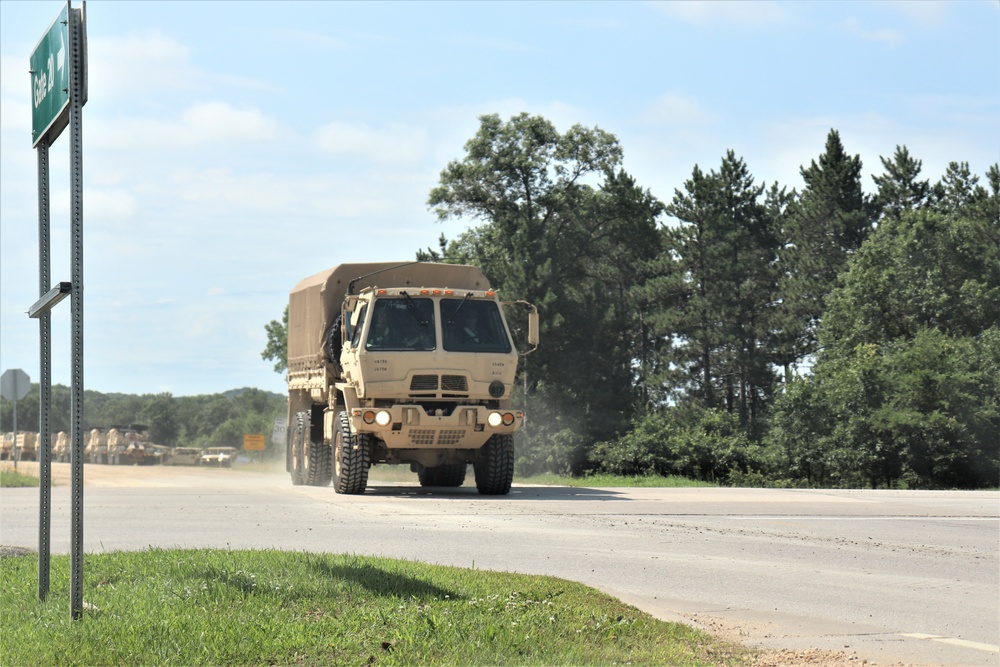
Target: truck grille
454, 383
424, 437
449, 383
424, 383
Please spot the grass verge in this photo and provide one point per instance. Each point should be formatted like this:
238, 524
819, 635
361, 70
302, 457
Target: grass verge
12, 478
217, 607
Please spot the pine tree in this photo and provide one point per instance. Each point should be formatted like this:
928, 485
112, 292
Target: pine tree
825, 226
726, 250
898, 189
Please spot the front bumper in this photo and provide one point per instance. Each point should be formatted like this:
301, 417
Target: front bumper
411, 427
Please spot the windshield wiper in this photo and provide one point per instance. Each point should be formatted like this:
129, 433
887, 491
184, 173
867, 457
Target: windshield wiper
413, 309
454, 316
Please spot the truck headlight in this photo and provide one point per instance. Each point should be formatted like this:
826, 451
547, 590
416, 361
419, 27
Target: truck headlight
382, 417
495, 419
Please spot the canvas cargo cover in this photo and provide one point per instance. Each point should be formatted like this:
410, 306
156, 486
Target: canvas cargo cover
314, 302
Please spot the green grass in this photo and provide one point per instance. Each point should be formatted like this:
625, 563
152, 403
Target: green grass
11, 478
216, 607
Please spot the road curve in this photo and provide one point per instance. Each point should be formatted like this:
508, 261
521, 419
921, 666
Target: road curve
888, 576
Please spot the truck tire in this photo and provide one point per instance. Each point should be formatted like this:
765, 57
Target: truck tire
300, 430
450, 474
310, 460
318, 464
350, 458
494, 467
334, 345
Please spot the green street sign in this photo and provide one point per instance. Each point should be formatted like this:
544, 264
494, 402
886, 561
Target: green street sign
50, 63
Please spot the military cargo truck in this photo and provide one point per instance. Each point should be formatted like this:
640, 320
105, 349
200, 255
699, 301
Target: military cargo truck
401, 363
27, 446
96, 446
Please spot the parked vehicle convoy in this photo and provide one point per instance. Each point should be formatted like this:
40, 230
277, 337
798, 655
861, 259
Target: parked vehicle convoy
22, 446
401, 363
220, 457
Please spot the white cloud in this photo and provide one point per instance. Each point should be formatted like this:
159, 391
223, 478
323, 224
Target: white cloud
705, 12
219, 121
199, 124
928, 13
144, 67
136, 65
674, 109
889, 37
393, 144
110, 204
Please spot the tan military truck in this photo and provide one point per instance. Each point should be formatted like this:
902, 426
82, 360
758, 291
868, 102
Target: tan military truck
62, 448
96, 446
27, 446
130, 445
401, 363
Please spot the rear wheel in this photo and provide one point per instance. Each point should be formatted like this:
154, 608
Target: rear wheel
494, 467
450, 474
300, 435
318, 464
351, 458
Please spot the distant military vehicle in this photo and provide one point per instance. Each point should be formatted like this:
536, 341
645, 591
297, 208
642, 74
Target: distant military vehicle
184, 456
218, 457
401, 363
96, 446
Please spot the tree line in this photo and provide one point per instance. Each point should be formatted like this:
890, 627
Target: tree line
741, 332
216, 420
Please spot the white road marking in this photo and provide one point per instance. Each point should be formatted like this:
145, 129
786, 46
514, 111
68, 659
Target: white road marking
953, 641
780, 517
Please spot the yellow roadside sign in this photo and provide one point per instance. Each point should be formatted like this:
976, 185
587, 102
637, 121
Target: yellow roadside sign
253, 442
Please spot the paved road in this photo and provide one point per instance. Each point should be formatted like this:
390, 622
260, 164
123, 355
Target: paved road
889, 576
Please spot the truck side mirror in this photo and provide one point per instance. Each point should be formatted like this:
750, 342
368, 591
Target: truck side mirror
533, 328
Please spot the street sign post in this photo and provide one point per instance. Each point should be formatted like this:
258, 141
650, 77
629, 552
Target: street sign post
58, 68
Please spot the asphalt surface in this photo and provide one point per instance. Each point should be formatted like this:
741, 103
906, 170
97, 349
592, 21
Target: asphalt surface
892, 577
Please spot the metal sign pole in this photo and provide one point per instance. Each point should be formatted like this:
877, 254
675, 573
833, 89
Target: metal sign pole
45, 382
58, 93
77, 50
13, 447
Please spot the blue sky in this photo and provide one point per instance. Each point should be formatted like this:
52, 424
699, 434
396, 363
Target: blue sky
231, 149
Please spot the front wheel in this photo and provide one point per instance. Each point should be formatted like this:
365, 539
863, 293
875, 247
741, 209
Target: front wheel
494, 466
351, 458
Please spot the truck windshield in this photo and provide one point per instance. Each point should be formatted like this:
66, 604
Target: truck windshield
404, 324
470, 325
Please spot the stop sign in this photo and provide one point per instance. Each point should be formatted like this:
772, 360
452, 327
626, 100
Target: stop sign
14, 384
